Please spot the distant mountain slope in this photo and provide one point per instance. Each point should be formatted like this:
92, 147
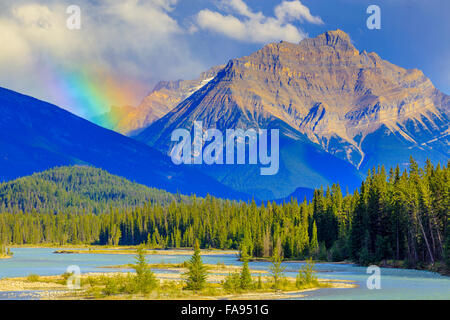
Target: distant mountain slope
359, 109
163, 98
300, 194
35, 136
77, 188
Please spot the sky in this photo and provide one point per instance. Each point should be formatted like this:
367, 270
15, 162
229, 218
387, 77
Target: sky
123, 48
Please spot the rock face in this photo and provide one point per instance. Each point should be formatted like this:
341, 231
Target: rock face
353, 105
163, 98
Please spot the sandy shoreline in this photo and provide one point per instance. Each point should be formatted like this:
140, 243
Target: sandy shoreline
212, 268
51, 288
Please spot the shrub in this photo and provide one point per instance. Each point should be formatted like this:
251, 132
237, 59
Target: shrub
276, 269
232, 282
33, 278
323, 256
306, 275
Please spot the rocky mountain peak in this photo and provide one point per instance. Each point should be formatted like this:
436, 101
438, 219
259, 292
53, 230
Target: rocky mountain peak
336, 39
351, 105
328, 90
163, 98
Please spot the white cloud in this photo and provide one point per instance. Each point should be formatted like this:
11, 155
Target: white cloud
241, 8
135, 42
152, 16
255, 26
17, 51
109, 29
295, 10
228, 25
131, 39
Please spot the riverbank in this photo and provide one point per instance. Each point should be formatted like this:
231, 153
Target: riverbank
132, 250
348, 262
5, 256
438, 267
105, 249
182, 267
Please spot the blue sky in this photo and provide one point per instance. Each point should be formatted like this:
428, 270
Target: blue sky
138, 43
413, 34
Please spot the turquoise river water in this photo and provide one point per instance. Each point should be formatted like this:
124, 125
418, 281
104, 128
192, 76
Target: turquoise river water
395, 283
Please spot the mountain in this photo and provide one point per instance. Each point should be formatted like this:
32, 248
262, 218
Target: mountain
163, 98
36, 136
77, 188
341, 111
300, 194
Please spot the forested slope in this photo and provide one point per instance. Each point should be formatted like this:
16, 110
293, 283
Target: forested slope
396, 215
77, 189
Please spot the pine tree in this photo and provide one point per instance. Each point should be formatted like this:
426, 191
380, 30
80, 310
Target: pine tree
401, 216
145, 278
259, 284
447, 245
245, 276
314, 244
359, 225
197, 273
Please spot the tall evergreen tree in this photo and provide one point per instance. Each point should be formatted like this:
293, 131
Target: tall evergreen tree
145, 278
402, 216
314, 244
197, 273
246, 281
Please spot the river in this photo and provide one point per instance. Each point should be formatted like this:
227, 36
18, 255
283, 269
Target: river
395, 283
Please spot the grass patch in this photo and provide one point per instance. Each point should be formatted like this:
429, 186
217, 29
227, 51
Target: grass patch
33, 278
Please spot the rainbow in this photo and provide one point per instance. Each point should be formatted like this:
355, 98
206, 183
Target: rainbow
90, 92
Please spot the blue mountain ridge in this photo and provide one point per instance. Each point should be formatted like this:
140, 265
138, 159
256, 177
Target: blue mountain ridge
36, 135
